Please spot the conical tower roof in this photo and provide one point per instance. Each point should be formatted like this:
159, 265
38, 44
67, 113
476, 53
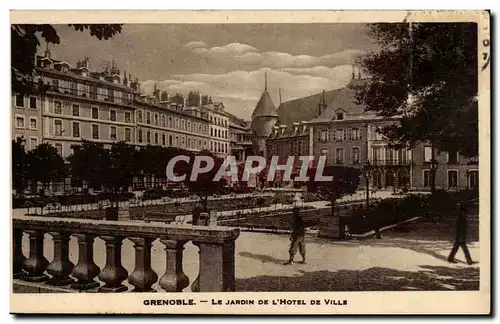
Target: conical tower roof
265, 107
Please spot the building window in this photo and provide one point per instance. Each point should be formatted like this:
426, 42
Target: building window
95, 113
339, 156
19, 101
473, 179
356, 134
170, 140
156, 138
177, 141
355, 155
139, 116
73, 88
112, 115
93, 92
59, 148
139, 136
148, 117
127, 134
33, 102
33, 123
163, 120
340, 116
189, 142
76, 129
163, 139
452, 178
95, 131
19, 122
127, 117
156, 119
169, 121
112, 132
427, 153
183, 124
57, 107
76, 110
111, 95
57, 127
427, 178
211, 131
323, 136
339, 135
33, 142
148, 137
55, 85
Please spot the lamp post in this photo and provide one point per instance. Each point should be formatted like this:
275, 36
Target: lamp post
433, 165
367, 173
367, 169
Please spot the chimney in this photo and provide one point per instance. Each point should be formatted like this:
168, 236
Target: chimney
125, 80
47, 51
322, 103
156, 92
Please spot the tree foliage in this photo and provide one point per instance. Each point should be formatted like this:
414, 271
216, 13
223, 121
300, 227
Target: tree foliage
45, 164
345, 181
19, 166
25, 40
89, 163
204, 185
425, 73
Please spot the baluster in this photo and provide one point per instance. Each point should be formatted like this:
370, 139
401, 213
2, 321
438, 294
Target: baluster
36, 263
113, 273
216, 267
195, 286
86, 270
18, 258
174, 278
143, 277
60, 268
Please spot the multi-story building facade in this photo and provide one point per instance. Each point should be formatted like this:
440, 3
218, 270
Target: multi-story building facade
240, 137
106, 107
219, 128
342, 131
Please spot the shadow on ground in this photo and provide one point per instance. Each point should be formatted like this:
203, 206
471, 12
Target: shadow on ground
373, 279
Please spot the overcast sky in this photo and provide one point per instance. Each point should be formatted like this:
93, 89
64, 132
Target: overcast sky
226, 61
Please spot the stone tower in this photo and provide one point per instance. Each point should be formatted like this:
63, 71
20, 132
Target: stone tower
264, 117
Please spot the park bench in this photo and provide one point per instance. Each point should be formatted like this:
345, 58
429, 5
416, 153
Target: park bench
166, 218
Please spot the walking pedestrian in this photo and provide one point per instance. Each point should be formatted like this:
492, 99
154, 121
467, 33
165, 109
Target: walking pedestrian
297, 237
461, 236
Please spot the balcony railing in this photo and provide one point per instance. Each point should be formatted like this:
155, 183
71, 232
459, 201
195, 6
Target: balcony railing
390, 162
216, 254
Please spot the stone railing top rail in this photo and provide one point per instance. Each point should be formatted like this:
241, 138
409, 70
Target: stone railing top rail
181, 232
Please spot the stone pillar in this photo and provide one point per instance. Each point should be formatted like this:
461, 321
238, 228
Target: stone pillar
174, 279
18, 258
36, 263
113, 273
143, 277
86, 270
217, 269
61, 266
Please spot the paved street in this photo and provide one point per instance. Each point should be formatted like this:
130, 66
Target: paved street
397, 262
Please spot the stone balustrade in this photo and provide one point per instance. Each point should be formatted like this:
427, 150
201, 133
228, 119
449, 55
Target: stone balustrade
216, 254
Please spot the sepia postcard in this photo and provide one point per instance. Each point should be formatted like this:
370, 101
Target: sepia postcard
250, 162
